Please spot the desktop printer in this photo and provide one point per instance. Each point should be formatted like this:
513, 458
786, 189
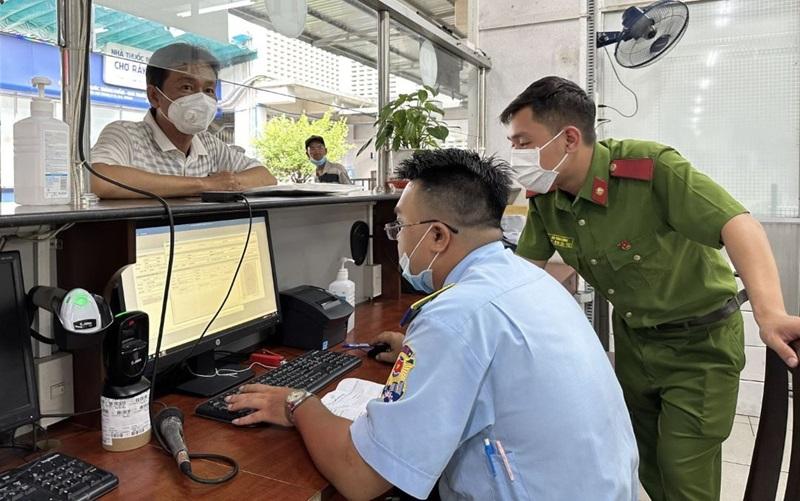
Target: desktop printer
313, 318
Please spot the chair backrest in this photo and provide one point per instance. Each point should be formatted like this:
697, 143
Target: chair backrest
765, 467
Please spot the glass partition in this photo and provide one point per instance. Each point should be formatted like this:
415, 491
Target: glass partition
27, 48
416, 61
274, 90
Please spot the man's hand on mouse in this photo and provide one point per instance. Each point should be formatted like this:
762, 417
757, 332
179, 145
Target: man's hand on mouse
395, 342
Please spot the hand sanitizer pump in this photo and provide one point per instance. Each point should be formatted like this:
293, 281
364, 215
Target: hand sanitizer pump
345, 288
41, 154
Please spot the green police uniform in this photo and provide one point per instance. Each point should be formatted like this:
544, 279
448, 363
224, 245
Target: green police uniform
645, 232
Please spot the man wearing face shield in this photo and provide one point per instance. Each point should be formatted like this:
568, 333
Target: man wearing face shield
169, 152
500, 396
644, 228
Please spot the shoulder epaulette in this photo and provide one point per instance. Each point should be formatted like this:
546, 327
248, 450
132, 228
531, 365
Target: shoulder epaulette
632, 168
415, 308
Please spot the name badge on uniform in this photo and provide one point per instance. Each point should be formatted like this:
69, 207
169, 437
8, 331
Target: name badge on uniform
561, 241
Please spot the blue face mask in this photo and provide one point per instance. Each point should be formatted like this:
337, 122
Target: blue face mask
422, 281
319, 163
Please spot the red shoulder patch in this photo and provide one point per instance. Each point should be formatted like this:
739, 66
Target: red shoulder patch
632, 168
600, 191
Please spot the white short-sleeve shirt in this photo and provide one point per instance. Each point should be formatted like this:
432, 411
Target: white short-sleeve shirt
143, 145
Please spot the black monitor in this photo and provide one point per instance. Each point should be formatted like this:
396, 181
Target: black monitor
19, 404
206, 254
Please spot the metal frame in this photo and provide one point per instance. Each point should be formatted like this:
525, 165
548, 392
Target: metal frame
71, 29
384, 29
406, 16
482, 110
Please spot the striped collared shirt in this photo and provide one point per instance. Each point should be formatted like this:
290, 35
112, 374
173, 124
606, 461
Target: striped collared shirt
143, 145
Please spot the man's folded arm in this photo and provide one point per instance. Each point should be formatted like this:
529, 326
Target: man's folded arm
256, 176
162, 185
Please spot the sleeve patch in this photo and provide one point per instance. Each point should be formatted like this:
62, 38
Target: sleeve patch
396, 384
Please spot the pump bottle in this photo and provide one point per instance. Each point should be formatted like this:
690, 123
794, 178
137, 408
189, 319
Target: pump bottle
41, 154
344, 288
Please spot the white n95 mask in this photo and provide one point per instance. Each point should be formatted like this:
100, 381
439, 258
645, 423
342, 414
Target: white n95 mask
191, 114
528, 169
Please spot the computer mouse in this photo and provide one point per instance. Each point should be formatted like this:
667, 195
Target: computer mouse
378, 348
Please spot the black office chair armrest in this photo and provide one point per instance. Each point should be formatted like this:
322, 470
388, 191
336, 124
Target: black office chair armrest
765, 467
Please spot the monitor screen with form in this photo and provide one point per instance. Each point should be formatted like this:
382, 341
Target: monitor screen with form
206, 255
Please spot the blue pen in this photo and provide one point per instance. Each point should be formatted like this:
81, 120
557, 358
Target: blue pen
489, 450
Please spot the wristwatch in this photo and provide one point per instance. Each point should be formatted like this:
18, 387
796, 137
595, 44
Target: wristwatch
293, 401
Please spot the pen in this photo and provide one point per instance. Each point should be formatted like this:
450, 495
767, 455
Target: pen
489, 450
503, 456
351, 346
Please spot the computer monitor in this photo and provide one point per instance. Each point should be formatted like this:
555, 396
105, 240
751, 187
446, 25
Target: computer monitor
19, 404
206, 254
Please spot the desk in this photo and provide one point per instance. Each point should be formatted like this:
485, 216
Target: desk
273, 461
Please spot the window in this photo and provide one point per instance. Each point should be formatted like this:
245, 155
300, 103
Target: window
27, 38
727, 97
416, 61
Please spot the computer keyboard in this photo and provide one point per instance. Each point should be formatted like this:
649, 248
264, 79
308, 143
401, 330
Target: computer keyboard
310, 371
56, 476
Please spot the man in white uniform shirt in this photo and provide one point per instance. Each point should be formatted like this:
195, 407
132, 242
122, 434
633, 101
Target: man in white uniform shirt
169, 152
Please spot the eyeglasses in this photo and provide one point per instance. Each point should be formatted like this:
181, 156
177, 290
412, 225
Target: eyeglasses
393, 229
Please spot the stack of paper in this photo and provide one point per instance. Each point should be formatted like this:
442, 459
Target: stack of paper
303, 189
349, 399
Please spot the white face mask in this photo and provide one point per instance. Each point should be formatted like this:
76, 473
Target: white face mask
191, 114
422, 281
530, 174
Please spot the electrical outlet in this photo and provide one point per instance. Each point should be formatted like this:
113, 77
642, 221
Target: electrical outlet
372, 278
54, 381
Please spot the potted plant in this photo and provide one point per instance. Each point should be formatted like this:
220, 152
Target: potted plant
409, 122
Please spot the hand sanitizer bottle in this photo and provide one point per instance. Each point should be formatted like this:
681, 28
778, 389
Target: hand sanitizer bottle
344, 288
41, 154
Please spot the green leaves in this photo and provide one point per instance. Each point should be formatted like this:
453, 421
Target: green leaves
410, 121
441, 132
281, 145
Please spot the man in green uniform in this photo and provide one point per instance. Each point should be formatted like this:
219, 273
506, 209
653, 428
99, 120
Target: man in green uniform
644, 228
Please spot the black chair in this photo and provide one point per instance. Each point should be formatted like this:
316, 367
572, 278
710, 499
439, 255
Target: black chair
765, 467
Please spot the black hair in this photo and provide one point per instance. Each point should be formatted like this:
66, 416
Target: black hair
315, 139
175, 57
557, 103
466, 189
